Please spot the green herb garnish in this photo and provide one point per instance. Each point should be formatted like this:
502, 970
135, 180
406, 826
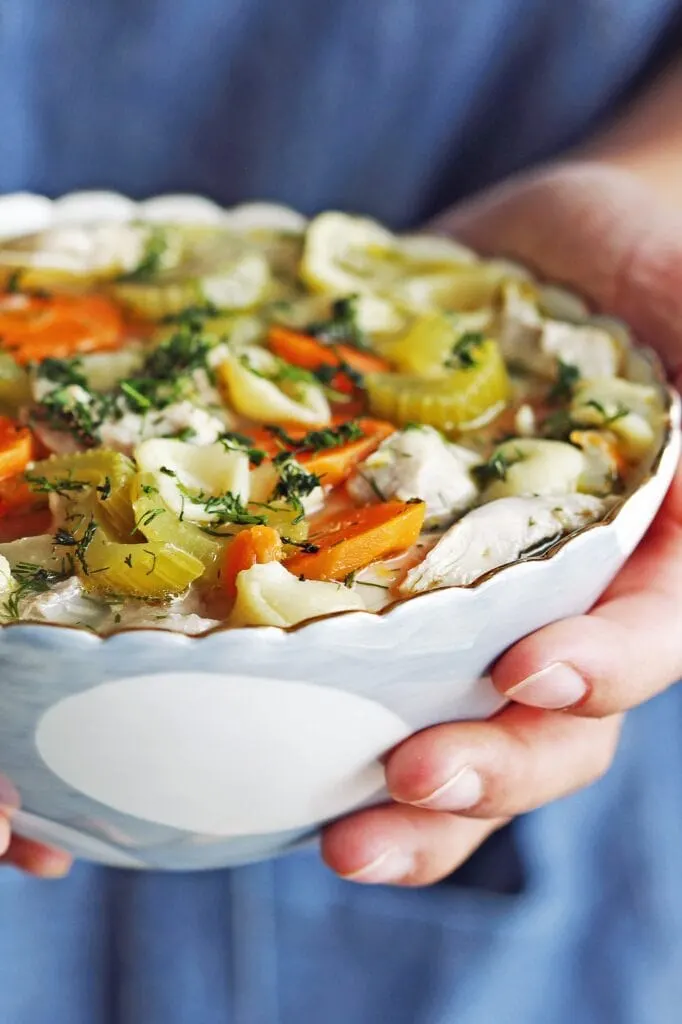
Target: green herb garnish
64, 487
32, 579
496, 468
567, 377
607, 418
294, 483
463, 352
317, 440
80, 545
152, 258
233, 442
342, 326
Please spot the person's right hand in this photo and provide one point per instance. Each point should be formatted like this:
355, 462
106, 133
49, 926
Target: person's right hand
15, 851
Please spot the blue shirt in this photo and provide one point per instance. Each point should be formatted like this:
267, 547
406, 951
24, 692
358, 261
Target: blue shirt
396, 108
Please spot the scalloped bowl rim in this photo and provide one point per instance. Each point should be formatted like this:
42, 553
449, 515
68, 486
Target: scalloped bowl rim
481, 583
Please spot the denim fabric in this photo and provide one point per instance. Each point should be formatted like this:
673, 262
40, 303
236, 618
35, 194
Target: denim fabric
394, 107
589, 931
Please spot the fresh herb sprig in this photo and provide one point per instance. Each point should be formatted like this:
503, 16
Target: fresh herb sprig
607, 417
463, 352
294, 483
318, 440
496, 468
64, 487
342, 326
152, 259
80, 544
32, 580
234, 442
567, 377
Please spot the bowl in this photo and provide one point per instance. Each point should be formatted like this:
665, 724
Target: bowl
149, 749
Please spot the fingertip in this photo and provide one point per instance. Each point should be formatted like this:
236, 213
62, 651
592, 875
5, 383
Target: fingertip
548, 669
5, 834
53, 864
348, 847
35, 859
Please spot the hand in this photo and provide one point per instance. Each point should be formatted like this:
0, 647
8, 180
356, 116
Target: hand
33, 858
598, 230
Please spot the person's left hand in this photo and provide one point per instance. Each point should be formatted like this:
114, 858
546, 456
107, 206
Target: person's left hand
598, 230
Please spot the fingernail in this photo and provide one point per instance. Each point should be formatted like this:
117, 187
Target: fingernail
390, 866
462, 791
553, 688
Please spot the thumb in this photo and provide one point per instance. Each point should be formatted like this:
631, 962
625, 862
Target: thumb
598, 230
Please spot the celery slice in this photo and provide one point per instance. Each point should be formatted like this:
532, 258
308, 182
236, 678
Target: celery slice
108, 473
159, 524
460, 399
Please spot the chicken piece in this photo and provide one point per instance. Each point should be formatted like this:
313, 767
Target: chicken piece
539, 344
65, 604
198, 426
497, 534
418, 462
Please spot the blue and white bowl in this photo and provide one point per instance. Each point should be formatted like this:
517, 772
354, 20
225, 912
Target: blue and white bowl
149, 749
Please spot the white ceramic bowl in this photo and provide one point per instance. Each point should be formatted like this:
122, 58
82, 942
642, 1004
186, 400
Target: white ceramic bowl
152, 749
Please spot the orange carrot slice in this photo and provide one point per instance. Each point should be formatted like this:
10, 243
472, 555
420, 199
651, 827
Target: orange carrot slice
16, 495
16, 448
355, 539
303, 350
334, 465
35, 327
258, 544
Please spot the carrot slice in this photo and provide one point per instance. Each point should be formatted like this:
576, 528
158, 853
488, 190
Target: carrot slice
334, 465
307, 352
353, 540
258, 544
35, 327
16, 496
16, 448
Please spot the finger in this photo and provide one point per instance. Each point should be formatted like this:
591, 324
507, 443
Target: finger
35, 859
617, 245
626, 650
519, 760
406, 846
5, 834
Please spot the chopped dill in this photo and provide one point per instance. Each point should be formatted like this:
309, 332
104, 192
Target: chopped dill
80, 545
148, 517
32, 579
294, 484
152, 258
342, 325
318, 440
63, 487
233, 442
463, 352
305, 546
496, 468
567, 377
608, 418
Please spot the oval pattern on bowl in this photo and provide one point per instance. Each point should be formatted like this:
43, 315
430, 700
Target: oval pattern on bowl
219, 754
